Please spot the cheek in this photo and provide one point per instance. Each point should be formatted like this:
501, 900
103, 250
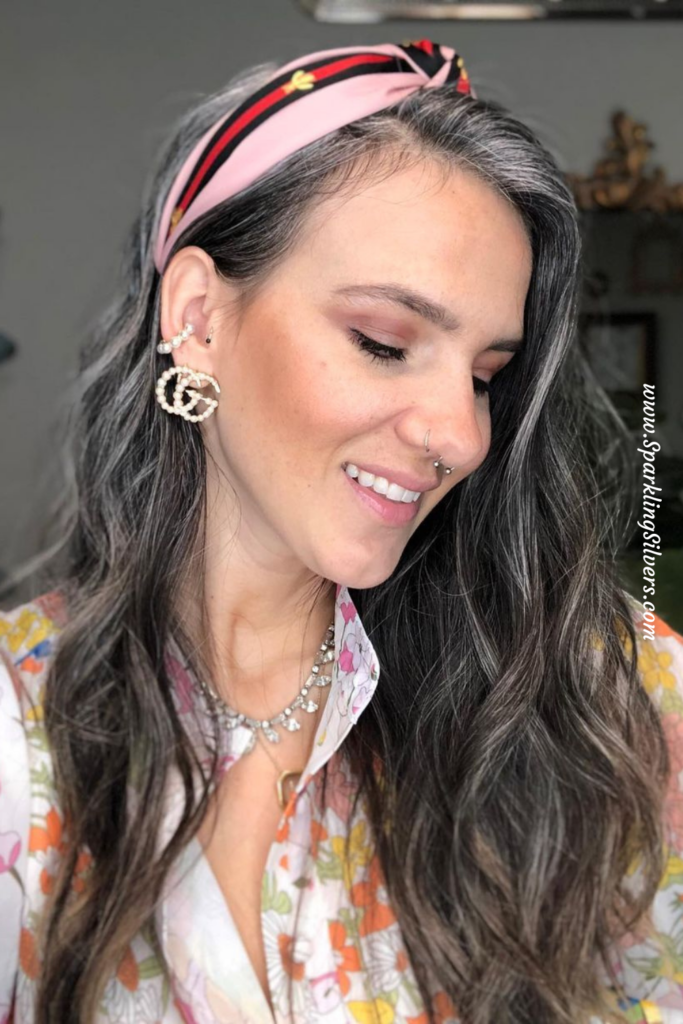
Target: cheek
292, 399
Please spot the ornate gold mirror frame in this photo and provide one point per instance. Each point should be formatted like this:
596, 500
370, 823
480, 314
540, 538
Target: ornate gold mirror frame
622, 181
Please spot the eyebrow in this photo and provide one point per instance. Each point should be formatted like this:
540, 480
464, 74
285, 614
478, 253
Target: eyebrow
424, 307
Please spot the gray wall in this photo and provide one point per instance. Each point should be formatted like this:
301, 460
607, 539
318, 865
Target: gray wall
87, 91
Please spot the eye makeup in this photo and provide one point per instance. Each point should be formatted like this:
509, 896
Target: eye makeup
379, 352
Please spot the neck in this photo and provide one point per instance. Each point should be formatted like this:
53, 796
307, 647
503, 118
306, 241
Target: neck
254, 618
260, 679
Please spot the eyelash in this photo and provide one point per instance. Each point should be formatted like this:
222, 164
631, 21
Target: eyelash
386, 353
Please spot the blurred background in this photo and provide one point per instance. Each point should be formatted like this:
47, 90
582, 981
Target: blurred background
88, 91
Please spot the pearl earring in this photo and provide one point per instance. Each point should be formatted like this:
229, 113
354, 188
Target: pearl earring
187, 377
167, 346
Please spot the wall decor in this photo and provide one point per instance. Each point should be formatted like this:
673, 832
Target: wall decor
657, 257
622, 181
621, 349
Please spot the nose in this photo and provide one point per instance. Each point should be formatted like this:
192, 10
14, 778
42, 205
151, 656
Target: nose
458, 424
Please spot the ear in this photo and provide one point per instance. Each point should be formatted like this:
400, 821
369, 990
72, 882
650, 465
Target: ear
191, 292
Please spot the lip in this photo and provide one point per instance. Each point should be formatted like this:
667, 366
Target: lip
410, 483
394, 513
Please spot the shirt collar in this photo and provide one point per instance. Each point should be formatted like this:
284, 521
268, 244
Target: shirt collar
355, 673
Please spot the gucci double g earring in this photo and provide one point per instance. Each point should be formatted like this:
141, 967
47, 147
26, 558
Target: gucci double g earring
189, 384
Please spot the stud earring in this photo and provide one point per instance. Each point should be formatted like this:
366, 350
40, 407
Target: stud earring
167, 346
188, 381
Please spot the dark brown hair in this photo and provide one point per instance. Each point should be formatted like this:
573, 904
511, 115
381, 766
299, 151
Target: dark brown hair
522, 763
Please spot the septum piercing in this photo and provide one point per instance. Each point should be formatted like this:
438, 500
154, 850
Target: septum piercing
438, 461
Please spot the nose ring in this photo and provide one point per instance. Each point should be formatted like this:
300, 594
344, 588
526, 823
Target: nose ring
438, 461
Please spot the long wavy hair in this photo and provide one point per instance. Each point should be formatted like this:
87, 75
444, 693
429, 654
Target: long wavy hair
523, 765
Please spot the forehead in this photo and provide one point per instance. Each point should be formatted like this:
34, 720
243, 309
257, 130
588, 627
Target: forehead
445, 232
425, 189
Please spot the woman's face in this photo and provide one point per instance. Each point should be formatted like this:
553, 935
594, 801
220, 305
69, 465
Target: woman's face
300, 398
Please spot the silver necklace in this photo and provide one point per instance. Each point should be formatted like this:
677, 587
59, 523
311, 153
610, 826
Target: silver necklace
286, 718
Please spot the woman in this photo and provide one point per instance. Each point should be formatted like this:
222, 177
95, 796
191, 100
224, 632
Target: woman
336, 429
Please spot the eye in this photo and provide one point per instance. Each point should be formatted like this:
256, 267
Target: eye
375, 349
384, 353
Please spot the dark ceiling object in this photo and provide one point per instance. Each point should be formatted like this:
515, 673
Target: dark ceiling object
368, 11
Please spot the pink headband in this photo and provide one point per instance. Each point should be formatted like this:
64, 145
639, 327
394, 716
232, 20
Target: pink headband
311, 96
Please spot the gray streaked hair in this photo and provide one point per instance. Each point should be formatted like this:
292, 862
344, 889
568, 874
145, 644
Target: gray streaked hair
509, 774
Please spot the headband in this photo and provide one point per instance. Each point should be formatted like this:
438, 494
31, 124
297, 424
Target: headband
300, 102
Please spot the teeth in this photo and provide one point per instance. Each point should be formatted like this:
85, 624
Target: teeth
381, 485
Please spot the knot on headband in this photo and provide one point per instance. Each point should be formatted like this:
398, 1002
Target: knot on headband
301, 102
432, 57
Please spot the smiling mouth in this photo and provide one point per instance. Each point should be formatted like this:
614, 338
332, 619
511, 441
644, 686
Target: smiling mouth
390, 511
394, 491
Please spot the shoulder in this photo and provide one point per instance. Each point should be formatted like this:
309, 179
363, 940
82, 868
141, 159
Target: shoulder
651, 963
28, 629
28, 637
28, 634
659, 650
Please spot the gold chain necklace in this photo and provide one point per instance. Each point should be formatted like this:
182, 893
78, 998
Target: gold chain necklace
288, 779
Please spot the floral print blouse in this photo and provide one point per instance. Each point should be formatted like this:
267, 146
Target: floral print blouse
327, 924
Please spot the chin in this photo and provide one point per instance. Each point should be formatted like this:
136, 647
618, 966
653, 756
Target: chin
368, 573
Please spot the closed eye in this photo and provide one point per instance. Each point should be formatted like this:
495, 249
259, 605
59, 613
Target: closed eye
386, 353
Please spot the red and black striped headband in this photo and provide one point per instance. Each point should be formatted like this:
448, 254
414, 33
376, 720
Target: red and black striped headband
300, 102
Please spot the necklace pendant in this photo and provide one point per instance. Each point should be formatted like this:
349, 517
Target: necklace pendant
270, 734
286, 784
310, 706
